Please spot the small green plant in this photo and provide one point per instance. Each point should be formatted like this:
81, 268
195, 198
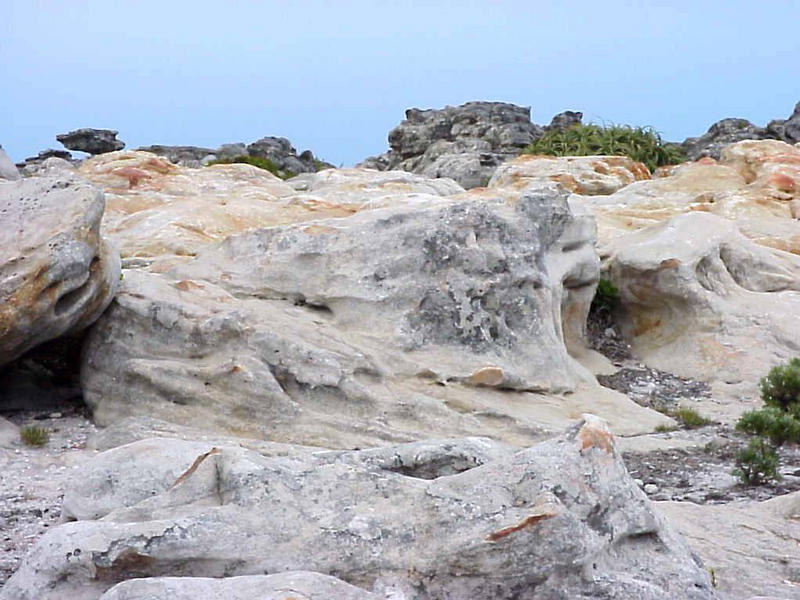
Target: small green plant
606, 297
690, 418
773, 423
34, 436
757, 463
665, 428
781, 387
642, 144
256, 161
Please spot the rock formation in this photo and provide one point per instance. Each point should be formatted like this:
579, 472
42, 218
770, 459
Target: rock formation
560, 519
8, 170
728, 131
279, 151
57, 274
93, 141
465, 143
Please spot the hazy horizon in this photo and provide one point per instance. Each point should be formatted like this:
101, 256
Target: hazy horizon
335, 77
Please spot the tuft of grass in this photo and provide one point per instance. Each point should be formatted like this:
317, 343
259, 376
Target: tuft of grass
606, 297
642, 144
34, 436
690, 418
665, 428
256, 161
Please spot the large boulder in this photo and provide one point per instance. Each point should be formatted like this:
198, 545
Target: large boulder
465, 143
562, 519
448, 303
93, 141
8, 170
703, 301
57, 274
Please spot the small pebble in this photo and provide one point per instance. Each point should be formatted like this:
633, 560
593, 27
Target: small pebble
650, 488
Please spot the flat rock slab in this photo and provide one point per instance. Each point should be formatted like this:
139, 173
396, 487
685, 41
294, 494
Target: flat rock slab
57, 274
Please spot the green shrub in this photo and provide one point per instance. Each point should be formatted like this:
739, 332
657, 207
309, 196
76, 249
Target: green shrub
781, 387
758, 463
606, 297
770, 422
690, 418
34, 436
256, 161
642, 144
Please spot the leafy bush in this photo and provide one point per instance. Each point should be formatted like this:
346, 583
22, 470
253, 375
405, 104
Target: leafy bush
256, 161
690, 418
606, 297
773, 423
758, 463
34, 436
781, 387
642, 144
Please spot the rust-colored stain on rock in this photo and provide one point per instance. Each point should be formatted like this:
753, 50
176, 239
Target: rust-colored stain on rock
592, 437
526, 522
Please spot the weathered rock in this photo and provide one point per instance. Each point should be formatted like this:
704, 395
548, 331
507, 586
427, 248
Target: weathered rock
787, 130
367, 188
751, 547
280, 152
565, 120
9, 434
8, 170
31, 166
588, 175
185, 156
56, 273
433, 300
720, 134
703, 301
291, 585
465, 143
562, 519
93, 141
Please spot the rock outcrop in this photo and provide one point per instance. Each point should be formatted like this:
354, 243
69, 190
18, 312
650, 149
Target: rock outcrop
279, 151
8, 171
57, 274
33, 164
728, 131
560, 519
465, 143
586, 175
437, 300
93, 141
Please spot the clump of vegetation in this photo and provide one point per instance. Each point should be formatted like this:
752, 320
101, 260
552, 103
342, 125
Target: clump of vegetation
606, 297
34, 436
781, 387
778, 422
758, 463
642, 144
256, 161
690, 418
778, 426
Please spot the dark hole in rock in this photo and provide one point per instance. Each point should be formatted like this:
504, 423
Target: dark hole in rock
435, 468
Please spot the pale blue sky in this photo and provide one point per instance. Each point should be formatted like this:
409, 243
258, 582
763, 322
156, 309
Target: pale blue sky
334, 77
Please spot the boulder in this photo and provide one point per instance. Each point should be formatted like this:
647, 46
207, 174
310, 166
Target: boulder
9, 434
32, 165
446, 302
57, 274
702, 301
8, 170
185, 156
280, 152
787, 130
562, 519
291, 585
587, 175
465, 143
93, 141
751, 546
565, 120
719, 135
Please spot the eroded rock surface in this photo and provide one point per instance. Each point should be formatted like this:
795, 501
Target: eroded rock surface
93, 141
560, 519
465, 143
8, 169
57, 274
